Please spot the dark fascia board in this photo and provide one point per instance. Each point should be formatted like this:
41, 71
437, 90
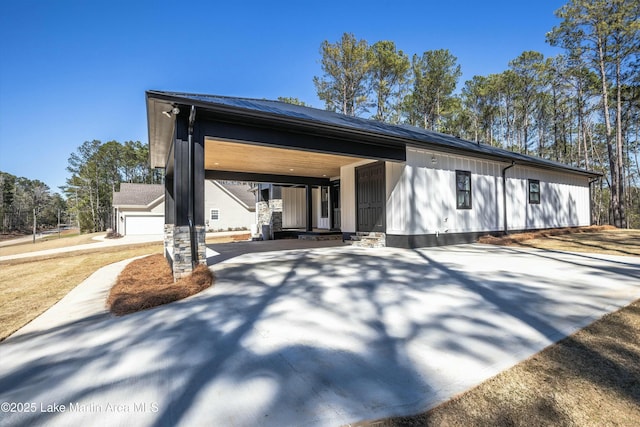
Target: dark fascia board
265, 178
246, 117
238, 114
241, 115
287, 138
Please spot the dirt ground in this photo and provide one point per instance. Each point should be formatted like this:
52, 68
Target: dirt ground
229, 239
612, 242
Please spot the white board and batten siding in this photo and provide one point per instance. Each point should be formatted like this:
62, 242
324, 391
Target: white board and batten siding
294, 208
564, 199
421, 196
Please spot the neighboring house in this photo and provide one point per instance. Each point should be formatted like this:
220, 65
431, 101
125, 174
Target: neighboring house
228, 205
139, 208
410, 186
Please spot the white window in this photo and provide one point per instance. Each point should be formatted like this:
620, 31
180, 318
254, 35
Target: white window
215, 214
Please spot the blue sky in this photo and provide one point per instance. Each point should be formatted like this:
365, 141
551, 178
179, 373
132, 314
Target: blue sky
72, 71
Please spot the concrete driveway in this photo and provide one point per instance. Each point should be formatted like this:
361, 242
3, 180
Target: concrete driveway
313, 337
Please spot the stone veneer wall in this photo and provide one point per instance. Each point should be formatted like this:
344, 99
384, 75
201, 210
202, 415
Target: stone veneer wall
269, 213
264, 215
276, 214
177, 245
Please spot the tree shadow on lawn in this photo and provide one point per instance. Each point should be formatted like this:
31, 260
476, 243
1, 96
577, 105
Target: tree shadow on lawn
322, 336
591, 245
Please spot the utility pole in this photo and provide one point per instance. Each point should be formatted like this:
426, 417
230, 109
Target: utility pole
34, 225
58, 223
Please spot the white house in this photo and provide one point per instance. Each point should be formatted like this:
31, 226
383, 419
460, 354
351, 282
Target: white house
403, 185
228, 205
140, 208
440, 198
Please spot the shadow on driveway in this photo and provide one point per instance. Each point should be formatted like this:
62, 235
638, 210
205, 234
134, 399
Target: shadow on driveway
321, 336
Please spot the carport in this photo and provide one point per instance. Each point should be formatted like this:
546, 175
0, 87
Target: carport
198, 137
385, 176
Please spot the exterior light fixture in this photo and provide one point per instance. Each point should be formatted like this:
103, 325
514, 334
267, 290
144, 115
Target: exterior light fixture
174, 111
434, 160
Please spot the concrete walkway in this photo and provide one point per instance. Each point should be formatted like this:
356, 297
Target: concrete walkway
314, 337
98, 244
102, 242
20, 240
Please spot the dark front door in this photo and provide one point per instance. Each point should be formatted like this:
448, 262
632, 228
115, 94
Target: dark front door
370, 197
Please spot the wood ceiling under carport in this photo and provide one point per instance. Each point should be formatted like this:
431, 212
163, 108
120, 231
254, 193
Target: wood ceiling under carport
223, 155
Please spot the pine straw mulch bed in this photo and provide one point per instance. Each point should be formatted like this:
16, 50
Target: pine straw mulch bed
514, 239
148, 282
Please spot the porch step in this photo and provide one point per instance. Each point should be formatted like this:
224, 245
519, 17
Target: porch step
369, 240
320, 237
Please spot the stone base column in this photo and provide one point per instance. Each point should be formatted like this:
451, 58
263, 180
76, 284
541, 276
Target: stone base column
201, 235
178, 246
263, 217
275, 220
269, 213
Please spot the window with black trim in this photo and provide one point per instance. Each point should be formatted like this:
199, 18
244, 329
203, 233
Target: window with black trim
324, 202
534, 191
264, 195
215, 214
463, 189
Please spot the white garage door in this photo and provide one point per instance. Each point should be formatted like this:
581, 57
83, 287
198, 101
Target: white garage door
136, 225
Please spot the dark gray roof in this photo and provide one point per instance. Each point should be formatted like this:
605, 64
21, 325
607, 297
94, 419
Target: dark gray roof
408, 134
241, 191
137, 194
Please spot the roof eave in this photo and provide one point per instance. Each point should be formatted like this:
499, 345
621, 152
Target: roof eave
170, 99
160, 129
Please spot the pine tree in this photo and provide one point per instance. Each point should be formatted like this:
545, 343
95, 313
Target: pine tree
346, 65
